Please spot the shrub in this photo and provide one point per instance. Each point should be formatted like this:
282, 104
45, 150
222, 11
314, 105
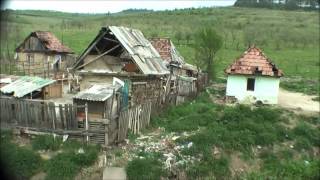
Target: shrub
302, 143
305, 130
87, 158
144, 169
61, 167
218, 168
19, 162
66, 165
46, 142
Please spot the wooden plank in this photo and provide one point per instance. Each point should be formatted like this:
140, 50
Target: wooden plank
53, 115
71, 110
74, 117
19, 113
9, 111
1, 111
66, 113
46, 115
25, 113
61, 116
36, 114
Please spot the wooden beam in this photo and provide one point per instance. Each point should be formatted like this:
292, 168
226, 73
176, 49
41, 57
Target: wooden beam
110, 39
97, 49
99, 56
86, 52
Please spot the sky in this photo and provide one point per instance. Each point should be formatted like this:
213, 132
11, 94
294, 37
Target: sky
112, 6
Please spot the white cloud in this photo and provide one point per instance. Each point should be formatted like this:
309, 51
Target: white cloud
99, 6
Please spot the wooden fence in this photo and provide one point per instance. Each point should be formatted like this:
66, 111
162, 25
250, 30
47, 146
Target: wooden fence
135, 118
44, 115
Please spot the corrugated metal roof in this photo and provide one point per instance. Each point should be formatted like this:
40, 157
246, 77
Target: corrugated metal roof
97, 92
25, 85
138, 47
254, 62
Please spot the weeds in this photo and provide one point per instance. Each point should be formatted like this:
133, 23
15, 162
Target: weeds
19, 162
46, 142
68, 163
145, 169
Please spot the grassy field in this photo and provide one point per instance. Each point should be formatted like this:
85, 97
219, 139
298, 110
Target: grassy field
289, 38
238, 142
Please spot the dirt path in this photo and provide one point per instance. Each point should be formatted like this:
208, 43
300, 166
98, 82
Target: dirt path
298, 102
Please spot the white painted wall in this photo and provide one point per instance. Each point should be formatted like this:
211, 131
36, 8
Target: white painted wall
265, 90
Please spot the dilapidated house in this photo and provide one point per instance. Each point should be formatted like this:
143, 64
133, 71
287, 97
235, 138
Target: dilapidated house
126, 54
253, 78
42, 54
183, 79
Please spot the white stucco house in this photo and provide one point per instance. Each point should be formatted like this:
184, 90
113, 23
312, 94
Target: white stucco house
253, 78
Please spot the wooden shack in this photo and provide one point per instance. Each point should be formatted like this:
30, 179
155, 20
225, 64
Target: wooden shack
42, 54
103, 101
126, 54
29, 87
183, 76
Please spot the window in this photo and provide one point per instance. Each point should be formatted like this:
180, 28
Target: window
30, 59
250, 84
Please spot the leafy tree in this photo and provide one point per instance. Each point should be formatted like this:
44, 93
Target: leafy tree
188, 37
207, 44
178, 36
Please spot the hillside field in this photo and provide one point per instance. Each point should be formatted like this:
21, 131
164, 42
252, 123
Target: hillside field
207, 140
289, 38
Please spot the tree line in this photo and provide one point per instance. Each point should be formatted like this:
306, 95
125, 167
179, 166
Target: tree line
280, 4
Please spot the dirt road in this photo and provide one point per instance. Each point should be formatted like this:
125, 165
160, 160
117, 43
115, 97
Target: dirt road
298, 102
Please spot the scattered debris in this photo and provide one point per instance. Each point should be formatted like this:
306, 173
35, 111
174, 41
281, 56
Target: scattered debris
65, 137
80, 151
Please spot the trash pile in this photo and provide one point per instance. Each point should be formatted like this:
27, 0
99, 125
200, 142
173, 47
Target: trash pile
165, 144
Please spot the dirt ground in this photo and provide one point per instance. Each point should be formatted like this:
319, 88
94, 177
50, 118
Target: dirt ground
298, 102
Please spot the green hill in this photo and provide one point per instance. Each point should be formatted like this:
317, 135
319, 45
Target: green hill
289, 38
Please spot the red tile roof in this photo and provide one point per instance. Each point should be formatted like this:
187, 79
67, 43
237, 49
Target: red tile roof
51, 42
254, 62
163, 46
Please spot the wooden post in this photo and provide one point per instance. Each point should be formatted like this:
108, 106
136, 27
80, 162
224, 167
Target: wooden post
87, 124
111, 106
61, 116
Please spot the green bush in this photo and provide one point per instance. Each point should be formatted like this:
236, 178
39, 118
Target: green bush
67, 164
46, 142
61, 167
306, 131
87, 158
20, 162
144, 169
218, 168
302, 144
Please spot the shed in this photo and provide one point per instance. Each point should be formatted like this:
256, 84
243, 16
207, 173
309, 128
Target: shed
42, 54
102, 100
32, 87
253, 78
